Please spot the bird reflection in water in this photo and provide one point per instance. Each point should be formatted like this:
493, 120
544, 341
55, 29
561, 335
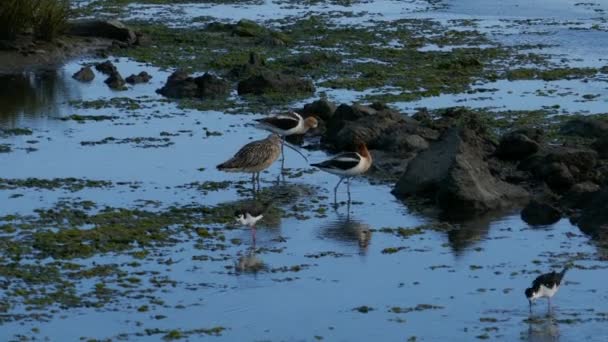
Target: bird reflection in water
542, 329
249, 262
349, 230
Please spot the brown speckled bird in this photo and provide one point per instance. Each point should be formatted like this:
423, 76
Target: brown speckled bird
254, 157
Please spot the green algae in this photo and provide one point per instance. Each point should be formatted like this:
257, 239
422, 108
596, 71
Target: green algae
70, 184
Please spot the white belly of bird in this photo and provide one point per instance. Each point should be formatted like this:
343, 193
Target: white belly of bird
355, 171
251, 220
544, 291
299, 127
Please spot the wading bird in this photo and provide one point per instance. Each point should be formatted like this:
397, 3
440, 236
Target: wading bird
545, 285
347, 165
254, 157
249, 214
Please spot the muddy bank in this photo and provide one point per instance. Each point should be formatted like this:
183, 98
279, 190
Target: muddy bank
84, 37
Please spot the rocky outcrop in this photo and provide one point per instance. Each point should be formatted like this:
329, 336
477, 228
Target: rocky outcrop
85, 74
379, 126
519, 144
561, 167
593, 219
106, 67
586, 127
142, 77
453, 172
115, 81
538, 213
322, 109
181, 85
273, 82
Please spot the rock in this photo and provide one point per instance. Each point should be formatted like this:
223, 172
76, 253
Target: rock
586, 127
561, 167
111, 29
273, 82
181, 85
538, 213
454, 172
601, 146
248, 28
85, 74
211, 86
516, 145
142, 77
579, 195
115, 81
106, 67
322, 108
594, 217
423, 116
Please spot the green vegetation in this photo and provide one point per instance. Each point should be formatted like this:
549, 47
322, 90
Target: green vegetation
45, 18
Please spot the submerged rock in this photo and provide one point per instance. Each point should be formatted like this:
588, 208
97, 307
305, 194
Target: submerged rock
540, 213
181, 85
106, 67
85, 74
273, 82
115, 81
142, 77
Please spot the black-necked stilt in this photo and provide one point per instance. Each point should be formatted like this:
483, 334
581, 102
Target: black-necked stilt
545, 285
347, 165
254, 157
249, 215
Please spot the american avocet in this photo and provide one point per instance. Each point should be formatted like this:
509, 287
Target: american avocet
248, 215
254, 157
288, 124
347, 165
545, 285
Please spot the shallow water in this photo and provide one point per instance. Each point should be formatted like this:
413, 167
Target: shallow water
436, 286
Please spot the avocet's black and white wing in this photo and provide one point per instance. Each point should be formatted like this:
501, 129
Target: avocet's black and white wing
340, 163
281, 123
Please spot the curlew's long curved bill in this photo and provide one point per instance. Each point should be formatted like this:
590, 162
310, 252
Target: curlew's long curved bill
295, 149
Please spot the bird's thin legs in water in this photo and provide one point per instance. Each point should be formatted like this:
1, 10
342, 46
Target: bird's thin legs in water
258, 181
549, 305
253, 184
348, 189
336, 192
253, 231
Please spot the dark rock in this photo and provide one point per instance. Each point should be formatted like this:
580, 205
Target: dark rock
115, 81
517, 145
594, 217
561, 167
85, 74
272, 82
586, 127
538, 213
181, 85
211, 86
579, 195
323, 109
106, 68
142, 77
454, 172
378, 126
601, 146
111, 29
423, 116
